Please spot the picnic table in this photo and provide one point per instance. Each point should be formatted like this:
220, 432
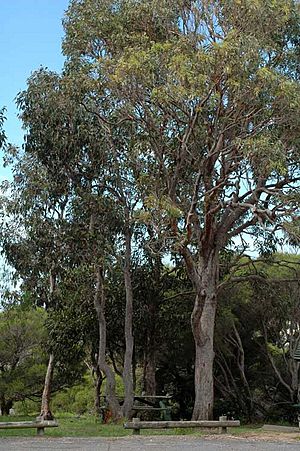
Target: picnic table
153, 403
146, 403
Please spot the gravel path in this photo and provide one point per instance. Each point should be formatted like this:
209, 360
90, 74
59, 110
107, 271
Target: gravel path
157, 443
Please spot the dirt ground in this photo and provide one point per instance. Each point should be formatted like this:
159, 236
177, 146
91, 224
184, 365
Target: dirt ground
266, 436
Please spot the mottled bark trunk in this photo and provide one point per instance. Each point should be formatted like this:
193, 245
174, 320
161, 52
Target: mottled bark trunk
46, 413
203, 324
127, 372
99, 303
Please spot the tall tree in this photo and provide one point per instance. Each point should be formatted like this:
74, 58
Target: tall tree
86, 162
212, 88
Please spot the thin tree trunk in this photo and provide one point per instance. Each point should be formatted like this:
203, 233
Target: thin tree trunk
98, 384
46, 413
99, 302
241, 366
203, 324
134, 365
98, 378
150, 353
150, 374
149, 371
127, 372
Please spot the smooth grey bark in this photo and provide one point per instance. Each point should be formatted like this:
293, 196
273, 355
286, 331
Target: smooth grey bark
46, 413
205, 278
99, 303
98, 378
129, 342
98, 384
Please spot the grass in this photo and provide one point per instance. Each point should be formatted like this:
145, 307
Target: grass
87, 426
69, 426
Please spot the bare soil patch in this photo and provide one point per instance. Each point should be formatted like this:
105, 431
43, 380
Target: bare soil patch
259, 435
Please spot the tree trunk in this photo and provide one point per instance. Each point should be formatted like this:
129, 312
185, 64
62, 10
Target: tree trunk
149, 376
46, 413
98, 383
203, 324
5, 405
153, 305
127, 372
240, 357
149, 385
99, 302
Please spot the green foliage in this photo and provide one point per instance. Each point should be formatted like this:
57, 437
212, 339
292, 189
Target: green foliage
77, 399
263, 313
178, 123
27, 407
22, 355
226, 64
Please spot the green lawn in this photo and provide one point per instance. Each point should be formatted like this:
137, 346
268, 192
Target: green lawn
71, 426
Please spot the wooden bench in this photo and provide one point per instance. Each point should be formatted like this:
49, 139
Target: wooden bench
137, 425
38, 425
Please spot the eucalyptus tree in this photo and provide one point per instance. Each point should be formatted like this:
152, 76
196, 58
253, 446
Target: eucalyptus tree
86, 162
32, 239
52, 183
211, 92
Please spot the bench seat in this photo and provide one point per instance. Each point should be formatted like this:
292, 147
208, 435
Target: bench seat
137, 425
38, 425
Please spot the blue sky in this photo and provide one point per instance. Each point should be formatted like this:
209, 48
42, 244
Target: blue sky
30, 36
